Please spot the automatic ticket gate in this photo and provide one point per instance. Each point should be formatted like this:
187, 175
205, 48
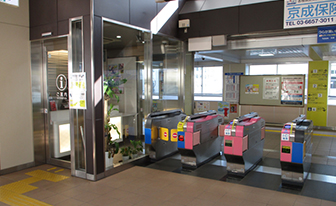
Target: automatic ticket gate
243, 143
161, 133
295, 150
198, 139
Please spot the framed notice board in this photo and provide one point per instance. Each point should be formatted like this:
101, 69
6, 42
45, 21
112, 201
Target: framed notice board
272, 90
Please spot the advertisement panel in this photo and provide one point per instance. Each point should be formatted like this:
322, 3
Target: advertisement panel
307, 13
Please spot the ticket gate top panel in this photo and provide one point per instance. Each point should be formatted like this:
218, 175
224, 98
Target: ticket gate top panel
198, 129
298, 130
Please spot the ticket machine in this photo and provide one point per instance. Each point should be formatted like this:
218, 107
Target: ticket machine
161, 133
295, 150
198, 140
243, 143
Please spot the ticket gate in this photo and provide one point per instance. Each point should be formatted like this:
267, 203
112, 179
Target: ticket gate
198, 140
296, 150
243, 143
161, 133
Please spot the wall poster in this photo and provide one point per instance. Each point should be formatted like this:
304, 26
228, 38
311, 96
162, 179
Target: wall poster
233, 108
318, 92
232, 86
77, 90
271, 88
224, 109
252, 89
202, 106
292, 90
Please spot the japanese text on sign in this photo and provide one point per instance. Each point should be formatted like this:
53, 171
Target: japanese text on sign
306, 13
271, 88
292, 90
77, 90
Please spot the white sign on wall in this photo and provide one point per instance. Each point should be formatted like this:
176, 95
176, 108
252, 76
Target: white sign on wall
11, 2
77, 90
306, 13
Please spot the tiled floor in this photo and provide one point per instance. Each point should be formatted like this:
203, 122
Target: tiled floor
145, 186
164, 183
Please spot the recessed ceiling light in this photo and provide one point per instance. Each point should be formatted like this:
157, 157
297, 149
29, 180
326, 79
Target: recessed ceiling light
118, 37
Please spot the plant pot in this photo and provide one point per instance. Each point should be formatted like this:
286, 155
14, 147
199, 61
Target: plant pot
125, 158
135, 156
108, 161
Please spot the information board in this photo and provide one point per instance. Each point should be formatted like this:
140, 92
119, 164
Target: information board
326, 34
272, 90
318, 92
232, 86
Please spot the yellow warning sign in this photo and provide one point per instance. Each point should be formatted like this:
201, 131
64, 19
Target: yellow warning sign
173, 135
164, 132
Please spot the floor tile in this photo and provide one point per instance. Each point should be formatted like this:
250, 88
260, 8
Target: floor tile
327, 203
40, 194
229, 200
53, 200
200, 202
308, 200
283, 199
86, 196
70, 202
319, 160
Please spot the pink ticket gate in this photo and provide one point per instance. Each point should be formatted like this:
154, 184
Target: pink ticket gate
243, 143
295, 151
199, 142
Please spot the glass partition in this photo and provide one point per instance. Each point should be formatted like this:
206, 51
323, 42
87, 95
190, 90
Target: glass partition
124, 51
167, 73
143, 73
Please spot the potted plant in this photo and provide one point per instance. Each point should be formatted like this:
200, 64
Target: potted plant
136, 148
111, 89
112, 146
126, 153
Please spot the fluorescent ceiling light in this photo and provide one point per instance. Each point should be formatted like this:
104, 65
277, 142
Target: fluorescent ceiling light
266, 55
118, 37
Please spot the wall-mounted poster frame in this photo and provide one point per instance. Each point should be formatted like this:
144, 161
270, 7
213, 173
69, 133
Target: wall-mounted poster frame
272, 90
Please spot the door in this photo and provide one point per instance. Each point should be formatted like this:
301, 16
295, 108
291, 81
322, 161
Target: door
59, 133
56, 102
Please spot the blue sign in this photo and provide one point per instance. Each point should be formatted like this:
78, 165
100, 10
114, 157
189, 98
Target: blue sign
326, 34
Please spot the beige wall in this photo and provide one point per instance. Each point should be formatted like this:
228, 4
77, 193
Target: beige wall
331, 119
16, 136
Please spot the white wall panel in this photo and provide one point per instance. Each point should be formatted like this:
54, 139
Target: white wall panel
16, 139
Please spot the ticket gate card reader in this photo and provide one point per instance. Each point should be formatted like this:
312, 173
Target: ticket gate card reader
161, 133
198, 140
243, 143
295, 151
